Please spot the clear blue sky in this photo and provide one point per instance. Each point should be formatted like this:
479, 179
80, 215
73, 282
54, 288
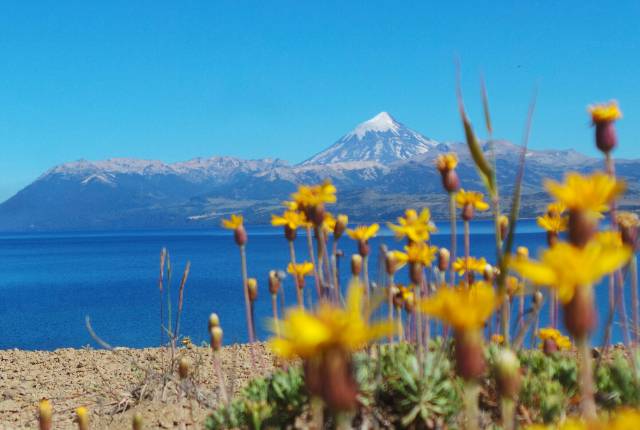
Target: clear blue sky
173, 80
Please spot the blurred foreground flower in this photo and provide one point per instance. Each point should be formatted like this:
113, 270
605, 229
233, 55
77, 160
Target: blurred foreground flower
325, 339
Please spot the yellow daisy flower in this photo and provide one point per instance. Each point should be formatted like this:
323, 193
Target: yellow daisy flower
447, 162
553, 222
473, 198
300, 269
305, 335
461, 265
290, 218
566, 267
550, 333
363, 233
315, 195
416, 227
233, 223
591, 193
605, 112
462, 308
417, 253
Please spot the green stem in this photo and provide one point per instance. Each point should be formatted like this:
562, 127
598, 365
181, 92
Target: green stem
471, 391
452, 216
507, 409
313, 260
247, 302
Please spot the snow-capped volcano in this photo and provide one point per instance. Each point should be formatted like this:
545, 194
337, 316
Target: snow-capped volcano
381, 139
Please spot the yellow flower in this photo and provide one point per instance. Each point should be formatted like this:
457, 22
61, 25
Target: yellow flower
446, 162
461, 265
549, 333
553, 222
416, 227
623, 419
473, 198
304, 334
566, 267
462, 308
556, 208
627, 219
605, 112
300, 269
515, 286
232, 223
290, 218
497, 339
314, 195
591, 193
417, 253
363, 233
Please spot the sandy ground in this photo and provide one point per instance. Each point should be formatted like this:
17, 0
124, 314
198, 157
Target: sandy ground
109, 384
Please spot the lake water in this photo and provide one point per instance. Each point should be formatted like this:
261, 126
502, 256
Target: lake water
50, 282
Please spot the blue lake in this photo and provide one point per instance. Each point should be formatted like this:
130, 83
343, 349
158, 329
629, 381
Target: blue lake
50, 282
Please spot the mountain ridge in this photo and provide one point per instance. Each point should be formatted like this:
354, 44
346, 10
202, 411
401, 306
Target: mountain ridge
380, 168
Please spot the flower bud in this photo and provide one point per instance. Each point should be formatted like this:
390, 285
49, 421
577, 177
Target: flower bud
582, 227
469, 353
503, 227
340, 227
396, 296
538, 299
82, 417
184, 367
240, 235
313, 380
606, 138
356, 265
443, 259
45, 414
467, 212
252, 289
136, 422
580, 315
214, 321
390, 263
522, 252
488, 273
508, 376
289, 233
216, 338
628, 223
274, 282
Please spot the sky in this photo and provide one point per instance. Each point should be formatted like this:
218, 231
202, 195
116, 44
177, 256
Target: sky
174, 80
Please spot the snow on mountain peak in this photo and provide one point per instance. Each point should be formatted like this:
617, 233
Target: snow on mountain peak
379, 123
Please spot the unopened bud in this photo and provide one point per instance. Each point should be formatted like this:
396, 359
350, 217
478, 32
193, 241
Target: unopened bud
240, 235
508, 376
45, 414
549, 346
274, 282
82, 416
340, 227
390, 263
488, 273
503, 226
443, 259
356, 265
315, 214
184, 367
252, 289
214, 321
216, 338
538, 300
136, 422
522, 252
